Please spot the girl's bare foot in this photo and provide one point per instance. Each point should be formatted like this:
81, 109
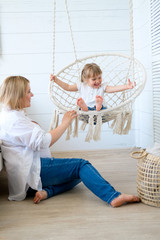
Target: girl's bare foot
82, 105
99, 101
124, 198
39, 196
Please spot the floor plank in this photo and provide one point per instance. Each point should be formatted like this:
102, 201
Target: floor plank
78, 214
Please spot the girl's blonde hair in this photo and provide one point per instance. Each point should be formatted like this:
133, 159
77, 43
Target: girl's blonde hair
90, 70
13, 91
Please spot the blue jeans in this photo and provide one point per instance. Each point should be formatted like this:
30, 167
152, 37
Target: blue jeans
61, 174
94, 108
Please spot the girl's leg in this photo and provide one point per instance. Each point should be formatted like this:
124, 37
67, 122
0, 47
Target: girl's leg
99, 101
82, 104
57, 173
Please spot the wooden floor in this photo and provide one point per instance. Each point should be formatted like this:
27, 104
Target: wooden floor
78, 214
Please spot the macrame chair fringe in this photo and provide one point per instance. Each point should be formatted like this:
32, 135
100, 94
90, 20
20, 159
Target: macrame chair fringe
128, 123
69, 131
121, 124
55, 120
97, 131
117, 128
90, 129
83, 126
75, 132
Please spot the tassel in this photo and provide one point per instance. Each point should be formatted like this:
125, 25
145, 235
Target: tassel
75, 133
97, 131
123, 120
68, 134
54, 121
118, 124
113, 124
90, 129
83, 126
69, 131
57, 120
129, 122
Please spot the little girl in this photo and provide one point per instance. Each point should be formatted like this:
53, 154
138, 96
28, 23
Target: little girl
91, 88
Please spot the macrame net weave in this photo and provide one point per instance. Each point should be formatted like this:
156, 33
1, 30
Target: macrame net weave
116, 69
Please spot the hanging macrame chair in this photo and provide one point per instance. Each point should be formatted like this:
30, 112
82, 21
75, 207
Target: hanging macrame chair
116, 69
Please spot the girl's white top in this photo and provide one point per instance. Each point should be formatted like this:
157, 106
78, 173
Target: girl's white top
23, 143
89, 94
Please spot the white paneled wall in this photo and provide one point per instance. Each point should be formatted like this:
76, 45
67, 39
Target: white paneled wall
26, 32
155, 37
144, 104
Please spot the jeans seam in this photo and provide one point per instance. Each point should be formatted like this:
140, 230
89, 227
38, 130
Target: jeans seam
112, 196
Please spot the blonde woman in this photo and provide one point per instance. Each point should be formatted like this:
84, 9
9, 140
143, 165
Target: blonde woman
25, 147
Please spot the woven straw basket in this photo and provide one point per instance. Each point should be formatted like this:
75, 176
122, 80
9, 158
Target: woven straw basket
148, 177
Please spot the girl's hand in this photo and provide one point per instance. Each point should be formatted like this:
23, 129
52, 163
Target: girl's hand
131, 84
53, 78
68, 117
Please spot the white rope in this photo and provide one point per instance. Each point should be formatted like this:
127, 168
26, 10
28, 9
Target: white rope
50, 87
69, 21
90, 129
54, 33
131, 63
83, 126
71, 32
69, 131
75, 132
54, 120
128, 124
97, 131
131, 36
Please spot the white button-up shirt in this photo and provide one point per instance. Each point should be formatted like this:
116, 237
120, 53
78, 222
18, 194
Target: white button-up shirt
22, 144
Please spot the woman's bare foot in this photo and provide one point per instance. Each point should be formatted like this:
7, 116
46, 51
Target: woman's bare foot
82, 105
99, 101
39, 196
124, 198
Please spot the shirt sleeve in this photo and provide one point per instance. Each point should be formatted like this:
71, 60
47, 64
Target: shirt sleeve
79, 86
31, 135
104, 86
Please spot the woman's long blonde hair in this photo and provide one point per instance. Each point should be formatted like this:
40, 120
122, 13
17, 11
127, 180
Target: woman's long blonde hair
13, 91
90, 70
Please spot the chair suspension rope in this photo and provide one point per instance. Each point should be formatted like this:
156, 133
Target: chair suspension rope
54, 33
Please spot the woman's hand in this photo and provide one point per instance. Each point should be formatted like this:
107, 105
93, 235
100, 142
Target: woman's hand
58, 132
68, 117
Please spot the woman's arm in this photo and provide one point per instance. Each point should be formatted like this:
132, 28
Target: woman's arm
58, 132
119, 88
65, 86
